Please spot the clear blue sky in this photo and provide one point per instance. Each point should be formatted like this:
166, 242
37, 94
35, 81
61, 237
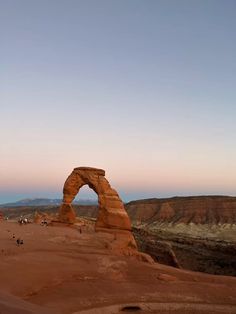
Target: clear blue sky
144, 89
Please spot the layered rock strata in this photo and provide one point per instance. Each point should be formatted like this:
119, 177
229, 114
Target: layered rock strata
213, 210
200, 231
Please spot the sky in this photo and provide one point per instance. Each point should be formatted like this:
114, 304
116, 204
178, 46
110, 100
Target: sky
145, 89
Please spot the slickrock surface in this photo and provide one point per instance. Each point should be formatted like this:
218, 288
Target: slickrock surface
111, 211
66, 270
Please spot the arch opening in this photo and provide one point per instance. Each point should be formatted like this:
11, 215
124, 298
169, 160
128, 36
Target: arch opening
85, 203
86, 196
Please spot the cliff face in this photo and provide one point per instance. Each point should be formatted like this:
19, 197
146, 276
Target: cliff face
215, 210
196, 233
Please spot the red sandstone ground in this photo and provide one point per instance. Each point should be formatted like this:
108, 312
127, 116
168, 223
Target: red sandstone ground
60, 270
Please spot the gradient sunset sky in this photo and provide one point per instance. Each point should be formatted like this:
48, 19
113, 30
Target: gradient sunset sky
143, 89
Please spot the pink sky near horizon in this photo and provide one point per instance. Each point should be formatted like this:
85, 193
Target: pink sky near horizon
162, 179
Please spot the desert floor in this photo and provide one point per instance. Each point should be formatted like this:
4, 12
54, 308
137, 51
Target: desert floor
60, 270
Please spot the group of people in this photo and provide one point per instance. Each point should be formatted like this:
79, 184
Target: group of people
44, 222
19, 241
23, 221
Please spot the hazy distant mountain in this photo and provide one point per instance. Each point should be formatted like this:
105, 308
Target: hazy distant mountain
46, 202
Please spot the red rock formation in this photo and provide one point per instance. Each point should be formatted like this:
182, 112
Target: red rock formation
112, 217
111, 214
195, 209
199, 229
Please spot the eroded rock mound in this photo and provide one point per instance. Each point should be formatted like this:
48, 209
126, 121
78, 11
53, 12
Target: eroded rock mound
111, 213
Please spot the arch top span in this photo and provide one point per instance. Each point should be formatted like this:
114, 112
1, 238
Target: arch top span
111, 211
98, 171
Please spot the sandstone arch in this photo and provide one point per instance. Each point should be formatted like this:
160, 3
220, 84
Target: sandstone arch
111, 214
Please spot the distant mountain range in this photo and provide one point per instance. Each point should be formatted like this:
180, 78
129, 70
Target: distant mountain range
46, 202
